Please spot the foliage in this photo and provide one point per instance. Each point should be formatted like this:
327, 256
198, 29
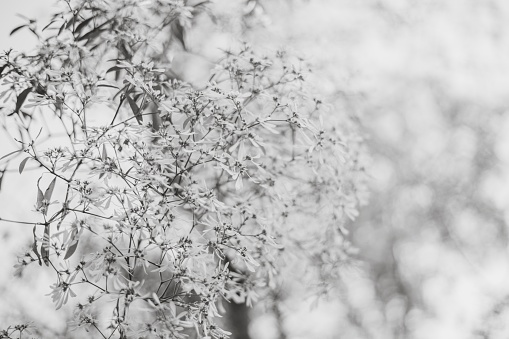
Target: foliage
182, 197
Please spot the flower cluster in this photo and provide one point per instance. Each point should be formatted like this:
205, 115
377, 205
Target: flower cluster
189, 196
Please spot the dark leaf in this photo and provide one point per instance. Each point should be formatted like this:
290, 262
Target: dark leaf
38, 134
71, 22
49, 190
34, 248
92, 34
22, 165
135, 109
33, 31
45, 245
2, 68
17, 29
106, 85
83, 24
104, 155
114, 68
95, 31
40, 198
47, 26
21, 98
178, 32
61, 28
74, 245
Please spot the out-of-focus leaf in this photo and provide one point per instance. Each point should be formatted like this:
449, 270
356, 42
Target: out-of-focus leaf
17, 29
49, 190
178, 32
115, 68
33, 31
107, 85
47, 26
71, 250
74, 244
45, 245
92, 34
71, 22
61, 29
135, 109
22, 165
40, 198
83, 24
95, 31
11, 153
104, 156
21, 98
34, 247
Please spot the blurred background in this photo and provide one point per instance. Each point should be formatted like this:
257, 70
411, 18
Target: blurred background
428, 84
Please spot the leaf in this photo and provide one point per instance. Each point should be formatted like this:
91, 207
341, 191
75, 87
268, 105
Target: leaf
40, 198
21, 98
71, 22
74, 244
49, 190
178, 32
83, 24
107, 85
33, 31
104, 155
71, 250
11, 153
2, 68
22, 165
61, 29
45, 245
47, 26
34, 247
135, 109
115, 68
95, 31
17, 29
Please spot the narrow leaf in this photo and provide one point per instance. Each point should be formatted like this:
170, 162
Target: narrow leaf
61, 29
21, 98
74, 244
83, 24
40, 198
17, 29
33, 31
34, 247
47, 26
49, 190
45, 245
107, 85
92, 34
104, 156
11, 153
114, 68
22, 165
178, 32
95, 31
135, 109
